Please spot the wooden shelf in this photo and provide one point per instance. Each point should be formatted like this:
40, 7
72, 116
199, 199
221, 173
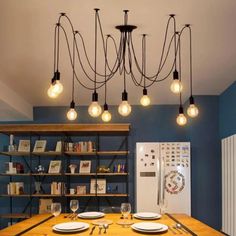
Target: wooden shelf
18, 174
47, 153
15, 195
15, 216
47, 195
99, 153
80, 153
98, 195
46, 174
15, 153
93, 174
61, 129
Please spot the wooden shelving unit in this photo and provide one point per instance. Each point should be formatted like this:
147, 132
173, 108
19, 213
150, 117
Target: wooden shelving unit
63, 131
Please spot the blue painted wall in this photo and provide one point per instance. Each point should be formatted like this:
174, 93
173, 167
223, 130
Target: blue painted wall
227, 111
157, 123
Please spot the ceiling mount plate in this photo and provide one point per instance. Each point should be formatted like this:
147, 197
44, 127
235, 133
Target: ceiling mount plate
126, 28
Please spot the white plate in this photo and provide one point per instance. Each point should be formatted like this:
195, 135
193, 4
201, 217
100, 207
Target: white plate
147, 215
149, 227
91, 215
67, 229
69, 226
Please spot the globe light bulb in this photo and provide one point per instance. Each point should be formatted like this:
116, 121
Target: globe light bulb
176, 86
51, 94
57, 87
181, 119
71, 114
106, 116
192, 110
124, 108
145, 100
94, 109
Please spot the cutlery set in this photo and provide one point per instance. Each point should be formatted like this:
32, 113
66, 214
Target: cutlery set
104, 226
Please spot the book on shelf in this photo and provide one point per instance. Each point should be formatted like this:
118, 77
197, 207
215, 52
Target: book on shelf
15, 188
58, 188
54, 167
81, 189
82, 146
24, 146
40, 146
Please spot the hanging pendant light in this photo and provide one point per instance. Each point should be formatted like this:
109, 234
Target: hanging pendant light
124, 108
94, 109
72, 114
192, 110
176, 85
145, 100
181, 118
106, 115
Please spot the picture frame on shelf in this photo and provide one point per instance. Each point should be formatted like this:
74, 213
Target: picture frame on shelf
45, 205
24, 145
81, 189
40, 146
85, 166
54, 167
58, 146
98, 186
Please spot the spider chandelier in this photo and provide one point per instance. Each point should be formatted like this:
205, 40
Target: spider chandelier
124, 64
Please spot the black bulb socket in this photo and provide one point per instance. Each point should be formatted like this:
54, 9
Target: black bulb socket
95, 96
72, 104
176, 75
191, 100
124, 96
144, 91
105, 107
181, 110
56, 77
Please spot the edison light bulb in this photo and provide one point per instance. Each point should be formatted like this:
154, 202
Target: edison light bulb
71, 114
181, 119
176, 86
124, 108
51, 94
106, 116
192, 110
57, 87
94, 109
145, 100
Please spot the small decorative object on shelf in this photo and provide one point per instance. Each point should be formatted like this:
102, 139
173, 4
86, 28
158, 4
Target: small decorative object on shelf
38, 188
40, 169
12, 147
120, 168
111, 189
14, 168
72, 191
15, 188
98, 186
54, 167
81, 189
58, 188
40, 146
24, 146
103, 169
72, 168
85, 167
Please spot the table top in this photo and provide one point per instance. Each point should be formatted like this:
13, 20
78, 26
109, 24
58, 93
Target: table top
44, 227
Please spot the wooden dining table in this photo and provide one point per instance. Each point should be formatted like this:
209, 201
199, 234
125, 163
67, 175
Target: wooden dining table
41, 225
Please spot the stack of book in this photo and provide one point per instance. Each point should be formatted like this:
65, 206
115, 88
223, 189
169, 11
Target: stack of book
58, 188
82, 146
15, 188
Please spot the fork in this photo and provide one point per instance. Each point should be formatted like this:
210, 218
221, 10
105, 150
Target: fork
91, 232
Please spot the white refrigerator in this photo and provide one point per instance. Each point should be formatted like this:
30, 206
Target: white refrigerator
163, 177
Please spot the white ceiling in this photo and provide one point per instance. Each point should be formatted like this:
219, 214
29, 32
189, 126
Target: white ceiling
26, 45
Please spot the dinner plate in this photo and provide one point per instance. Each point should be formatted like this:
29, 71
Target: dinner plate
70, 229
149, 227
91, 215
147, 215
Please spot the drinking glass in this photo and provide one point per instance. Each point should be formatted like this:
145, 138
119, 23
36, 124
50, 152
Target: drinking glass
125, 210
56, 208
74, 206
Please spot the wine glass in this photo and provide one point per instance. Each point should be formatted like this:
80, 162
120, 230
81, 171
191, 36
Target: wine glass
125, 210
56, 208
74, 206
